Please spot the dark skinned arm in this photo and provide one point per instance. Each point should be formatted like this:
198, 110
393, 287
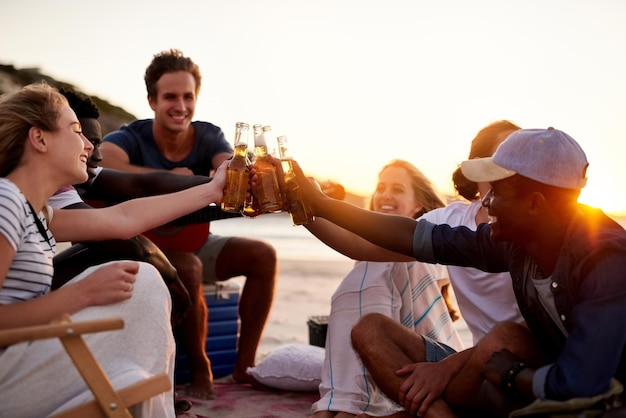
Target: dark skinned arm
501, 361
115, 186
392, 232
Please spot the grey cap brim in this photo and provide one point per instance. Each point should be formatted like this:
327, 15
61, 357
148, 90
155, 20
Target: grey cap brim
484, 170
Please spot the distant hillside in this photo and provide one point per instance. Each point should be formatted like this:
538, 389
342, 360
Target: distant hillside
111, 116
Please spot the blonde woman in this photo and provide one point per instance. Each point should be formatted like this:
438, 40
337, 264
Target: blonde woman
407, 292
42, 149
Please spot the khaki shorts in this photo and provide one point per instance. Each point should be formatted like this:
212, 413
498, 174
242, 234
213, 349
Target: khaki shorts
208, 254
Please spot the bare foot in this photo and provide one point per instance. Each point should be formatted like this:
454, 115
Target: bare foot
240, 376
202, 389
246, 379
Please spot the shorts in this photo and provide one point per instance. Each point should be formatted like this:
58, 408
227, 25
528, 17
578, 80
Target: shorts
436, 350
208, 253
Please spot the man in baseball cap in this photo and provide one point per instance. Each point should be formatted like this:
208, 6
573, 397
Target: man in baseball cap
548, 156
567, 264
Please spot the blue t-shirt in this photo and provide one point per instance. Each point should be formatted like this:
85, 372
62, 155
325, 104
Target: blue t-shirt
138, 142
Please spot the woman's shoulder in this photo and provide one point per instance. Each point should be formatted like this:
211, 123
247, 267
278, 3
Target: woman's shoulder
14, 212
9, 191
454, 214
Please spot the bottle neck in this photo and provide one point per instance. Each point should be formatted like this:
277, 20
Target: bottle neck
241, 150
261, 151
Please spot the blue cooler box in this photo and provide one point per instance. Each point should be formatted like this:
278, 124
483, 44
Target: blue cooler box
222, 299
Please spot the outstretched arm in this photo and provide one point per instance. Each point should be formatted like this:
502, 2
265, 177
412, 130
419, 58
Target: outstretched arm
115, 186
350, 244
135, 216
391, 232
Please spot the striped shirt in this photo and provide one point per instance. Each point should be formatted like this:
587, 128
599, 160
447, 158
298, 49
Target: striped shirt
30, 273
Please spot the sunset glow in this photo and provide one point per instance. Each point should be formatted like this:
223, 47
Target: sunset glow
356, 83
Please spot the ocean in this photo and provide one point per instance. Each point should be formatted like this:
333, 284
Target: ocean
291, 242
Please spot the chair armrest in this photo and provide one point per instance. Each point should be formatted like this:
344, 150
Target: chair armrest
57, 330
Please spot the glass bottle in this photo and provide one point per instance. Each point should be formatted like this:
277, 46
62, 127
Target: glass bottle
237, 172
250, 208
298, 211
268, 192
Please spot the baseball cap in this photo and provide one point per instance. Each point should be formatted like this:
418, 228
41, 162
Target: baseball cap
549, 156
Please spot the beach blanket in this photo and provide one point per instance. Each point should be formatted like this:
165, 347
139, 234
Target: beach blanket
242, 401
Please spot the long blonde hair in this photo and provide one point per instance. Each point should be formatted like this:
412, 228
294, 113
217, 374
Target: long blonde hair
35, 105
423, 189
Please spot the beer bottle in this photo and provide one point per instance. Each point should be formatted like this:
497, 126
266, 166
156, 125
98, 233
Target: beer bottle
298, 211
237, 172
249, 208
268, 192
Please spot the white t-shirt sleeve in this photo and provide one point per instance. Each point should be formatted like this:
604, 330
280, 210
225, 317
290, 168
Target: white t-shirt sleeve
64, 198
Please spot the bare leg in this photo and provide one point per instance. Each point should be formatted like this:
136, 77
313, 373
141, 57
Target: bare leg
256, 260
384, 346
193, 329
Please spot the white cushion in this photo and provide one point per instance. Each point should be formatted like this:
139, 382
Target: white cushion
294, 367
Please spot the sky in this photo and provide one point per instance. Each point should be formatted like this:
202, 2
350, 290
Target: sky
356, 83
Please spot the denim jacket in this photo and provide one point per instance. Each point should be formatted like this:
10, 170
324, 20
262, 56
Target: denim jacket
589, 288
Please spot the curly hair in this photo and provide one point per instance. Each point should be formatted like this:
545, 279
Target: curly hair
169, 61
82, 104
483, 145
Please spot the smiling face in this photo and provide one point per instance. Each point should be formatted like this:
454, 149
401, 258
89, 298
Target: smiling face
175, 101
69, 148
394, 193
508, 207
93, 132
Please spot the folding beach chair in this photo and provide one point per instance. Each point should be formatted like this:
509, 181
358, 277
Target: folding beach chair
108, 402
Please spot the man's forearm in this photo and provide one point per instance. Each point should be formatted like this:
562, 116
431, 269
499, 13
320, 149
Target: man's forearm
115, 186
391, 232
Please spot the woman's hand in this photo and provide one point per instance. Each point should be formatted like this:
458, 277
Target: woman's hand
108, 284
219, 177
